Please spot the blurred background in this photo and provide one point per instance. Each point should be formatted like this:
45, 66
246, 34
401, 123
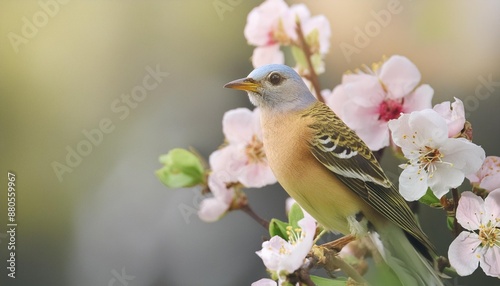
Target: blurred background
106, 219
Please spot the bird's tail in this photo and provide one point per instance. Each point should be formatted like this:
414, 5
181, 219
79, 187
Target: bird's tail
409, 266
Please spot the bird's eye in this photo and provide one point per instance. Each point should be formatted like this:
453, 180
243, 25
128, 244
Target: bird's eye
275, 78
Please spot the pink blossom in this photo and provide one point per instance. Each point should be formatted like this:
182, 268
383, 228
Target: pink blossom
283, 257
243, 159
480, 243
273, 24
211, 209
318, 24
488, 176
367, 101
267, 55
454, 115
264, 282
434, 160
269, 24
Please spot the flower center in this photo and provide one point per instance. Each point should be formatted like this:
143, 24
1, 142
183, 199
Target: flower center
389, 109
428, 157
255, 150
278, 35
294, 235
490, 234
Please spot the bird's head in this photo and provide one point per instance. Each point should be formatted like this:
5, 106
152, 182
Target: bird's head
276, 87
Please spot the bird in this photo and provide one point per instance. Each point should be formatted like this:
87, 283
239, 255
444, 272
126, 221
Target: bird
333, 175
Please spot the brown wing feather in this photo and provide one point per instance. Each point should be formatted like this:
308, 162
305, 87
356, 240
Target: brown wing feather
340, 150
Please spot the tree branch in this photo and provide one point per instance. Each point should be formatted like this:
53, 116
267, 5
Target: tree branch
457, 229
329, 260
313, 77
246, 209
338, 244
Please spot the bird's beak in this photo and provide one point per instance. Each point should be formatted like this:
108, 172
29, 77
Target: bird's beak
247, 84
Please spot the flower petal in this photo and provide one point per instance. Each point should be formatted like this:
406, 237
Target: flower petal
226, 163
265, 55
376, 136
301, 247
420, 99
320, 23
336, 100
454, 115
412, 185
401, 135
490, 261
400, 76
463, 253
490, 182
357, 116
470, 210
270, 253
236, 123
366, 91
488, 176
492, 206
418, 130
262, 20
429, 127
264, 282
463, 154
444, 178
211, 209
257, 175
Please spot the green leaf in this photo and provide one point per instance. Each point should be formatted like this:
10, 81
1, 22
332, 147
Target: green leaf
278, 227
181, 169
430, 199
299, 56
295, 215
320, 281
318, 63
312, 39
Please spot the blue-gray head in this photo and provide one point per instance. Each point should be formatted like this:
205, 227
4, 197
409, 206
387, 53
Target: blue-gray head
277, 87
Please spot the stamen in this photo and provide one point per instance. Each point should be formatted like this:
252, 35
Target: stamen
255, 150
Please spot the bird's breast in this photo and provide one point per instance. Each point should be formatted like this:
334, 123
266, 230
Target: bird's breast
286, 143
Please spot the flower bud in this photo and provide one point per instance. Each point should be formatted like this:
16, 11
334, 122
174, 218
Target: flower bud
181, 169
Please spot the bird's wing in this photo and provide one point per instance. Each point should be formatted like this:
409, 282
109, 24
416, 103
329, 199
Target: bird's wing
340, 150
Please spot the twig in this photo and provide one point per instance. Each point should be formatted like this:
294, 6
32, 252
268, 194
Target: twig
456, 197
338, 244
301, 276
246, 209
327, 257
306, 278
348, 269
313, 77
